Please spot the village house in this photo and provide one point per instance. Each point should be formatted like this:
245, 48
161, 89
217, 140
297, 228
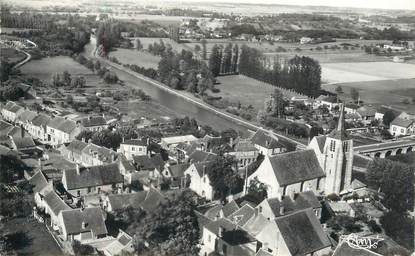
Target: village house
25, 117
51, 203
92, 180
11, 111
380, 112
401, 127
122, 244
145, 200
37, 128
330, 102
272, 208
170, 143
199, 179
351, 108
61, 130
133, 147
73, 151
94, 123
83, 225
222, 210
24, 145
93, 155
184, 150
245, 153
225, 238
290, 173
175, 175
267, 144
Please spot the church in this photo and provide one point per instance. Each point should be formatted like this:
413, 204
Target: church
325, 167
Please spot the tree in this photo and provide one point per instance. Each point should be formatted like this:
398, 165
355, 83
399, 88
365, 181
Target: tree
227, 59
388, 117
204, 50
215, 60
257, 190
170, 229
138, 44
5, 70
82, 249
197, 49
66, 78
400, 227
11, 92
395, 180
90, 65
339, 89
107, 138
235, 59
97, 65
223, 178
110, 77
78, 82
354, 94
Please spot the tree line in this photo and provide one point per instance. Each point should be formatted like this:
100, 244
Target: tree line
224, 60
302, 74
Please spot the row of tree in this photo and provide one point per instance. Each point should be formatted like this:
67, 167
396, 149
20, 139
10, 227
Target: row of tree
302, 74
224, 60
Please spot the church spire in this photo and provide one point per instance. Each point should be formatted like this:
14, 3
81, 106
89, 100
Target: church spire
340, 131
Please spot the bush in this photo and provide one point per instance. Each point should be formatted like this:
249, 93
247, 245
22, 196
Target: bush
215, 90
374, 227
333, 197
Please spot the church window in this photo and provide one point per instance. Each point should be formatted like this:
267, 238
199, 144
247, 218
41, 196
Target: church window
332, 145
345, 146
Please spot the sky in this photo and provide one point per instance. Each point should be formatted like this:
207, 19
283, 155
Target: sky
384, 4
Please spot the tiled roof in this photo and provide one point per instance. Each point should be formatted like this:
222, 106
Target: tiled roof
55, 203
41, 120
93, 176
230, 208
265, 140
12, 107
302, 232
137, 142
202, 156
178, 169
178, 139
93, 121
297, 166
38, 180
102, 153
5, 127
23, 143
122, 201
76, 146
242, 215
401, 122
144, 162
245, 146
93, 219
27, 116
62, 124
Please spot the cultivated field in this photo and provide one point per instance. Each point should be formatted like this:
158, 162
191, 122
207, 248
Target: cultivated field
160, 19
365, 71
145, 41
246, 90
132, 56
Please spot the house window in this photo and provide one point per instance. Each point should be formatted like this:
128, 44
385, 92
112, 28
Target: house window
89, 189
402, 130
260, 209
208, 238
78, 193
132, 148
394, 129
204, 179
140, 149
345, 146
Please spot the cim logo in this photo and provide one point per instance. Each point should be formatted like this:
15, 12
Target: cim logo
356, 242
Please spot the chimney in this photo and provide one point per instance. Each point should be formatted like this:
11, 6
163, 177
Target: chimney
204, 170
231, 142
89, 141
78, 170
84, 224
40, 164
83, 139
282, 209
148, 141
123, 139
89, 117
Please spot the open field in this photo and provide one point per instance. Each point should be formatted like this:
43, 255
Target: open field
145, 41
38, 241
12, 55
132, 56
46, 67
365, 71
246, 90
384, 92
160, 19
151, 110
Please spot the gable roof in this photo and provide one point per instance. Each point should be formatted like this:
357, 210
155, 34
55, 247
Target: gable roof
229, 208
121, 201
302, 232
242, 215
76, 146
41, 120
383, 110
119, 244
297, 166
23, 143
27, 116
266, 140
213, 212
102, 153
12, 107
402, 122
93, 121
202, 156
92, 217
62, 124
136, 142
143, 162
245, 146
178, 170
158, 161
39, 181
55, 203
321, 141
203, 167
93, 176
152, 200
178, 139
5, 127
